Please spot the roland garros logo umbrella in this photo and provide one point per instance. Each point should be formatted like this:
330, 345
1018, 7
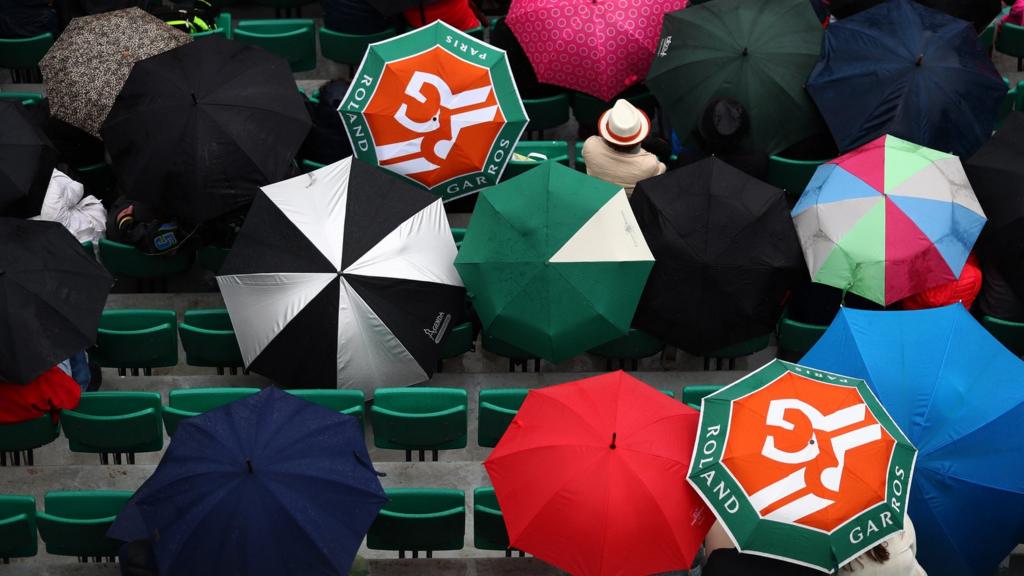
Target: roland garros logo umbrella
802, 465
437, 107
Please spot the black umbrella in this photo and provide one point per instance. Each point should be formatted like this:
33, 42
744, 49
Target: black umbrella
997, 176
978, 12
51, 296
197, 130
26, 161
396, 7
725, 255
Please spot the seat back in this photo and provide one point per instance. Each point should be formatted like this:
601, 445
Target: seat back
106, 422
547, 112
694, 393
502, 348
497, 408
420, 519
28, 435
292, 39
554, 150
791, 175
349, 48
209, 339
796, 338
211, 257
745, 348
489, 531
458, 341
76, 523
349, 402
186, 403
26, 98
130, 262
634, 345
420, 418
18, 527
24, 52
137, 339
1010, 39
1009, 334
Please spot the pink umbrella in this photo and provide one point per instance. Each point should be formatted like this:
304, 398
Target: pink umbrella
600, 47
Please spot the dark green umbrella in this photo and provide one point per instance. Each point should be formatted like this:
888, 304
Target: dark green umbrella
759, 53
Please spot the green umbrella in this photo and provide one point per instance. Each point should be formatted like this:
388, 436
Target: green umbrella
554, 261
759, 53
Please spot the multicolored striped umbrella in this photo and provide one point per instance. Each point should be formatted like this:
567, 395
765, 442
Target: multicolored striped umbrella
888, 220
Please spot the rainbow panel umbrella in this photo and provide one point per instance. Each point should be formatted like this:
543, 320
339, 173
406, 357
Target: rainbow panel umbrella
437, 107
888, 220
802, 465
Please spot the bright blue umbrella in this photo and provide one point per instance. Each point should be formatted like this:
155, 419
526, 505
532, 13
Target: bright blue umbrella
958, 394
268, 485
903, 69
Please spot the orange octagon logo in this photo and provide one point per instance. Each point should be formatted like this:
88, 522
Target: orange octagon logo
807, 452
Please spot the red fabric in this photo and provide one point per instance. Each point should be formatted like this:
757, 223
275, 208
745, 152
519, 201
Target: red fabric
455, 13
574, 501
1016, 14
964, 289
49, 394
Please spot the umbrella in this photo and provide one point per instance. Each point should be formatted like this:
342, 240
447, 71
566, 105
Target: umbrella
903, 69
888, 220
267, 485
197, 130
590, 477
395, 7
802, 465
27, 159
997, 176
957, 394
726, 255
343, 277
85, 68
554, 261
436, 106
53, 293
600, 48
978, 12
758, 53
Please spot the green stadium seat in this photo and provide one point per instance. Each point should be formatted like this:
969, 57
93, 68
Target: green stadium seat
212, 257
22, 55
489, 531
18, 537
496, 409
98, 180
222, 27
210, 32
349, 48
420, 519
458, 234
17, 441
554, 150
209, 340
26, 98
1007, 105
579, 163
587, 109
284, 8
118, 423
632, 347
349, 402
546, 113
796, 338
130, 262
694, 393
1009, 334
791, 175
516, 356
477, 32
76, 523
458, 341
308, 166
292, 39
188, 402
1018, 102
731, 353
419, 419
1010, 41
136, 339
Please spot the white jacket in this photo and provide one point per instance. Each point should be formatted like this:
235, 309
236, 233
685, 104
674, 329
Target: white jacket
84, 217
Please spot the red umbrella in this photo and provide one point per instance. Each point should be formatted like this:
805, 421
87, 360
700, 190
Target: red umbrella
591, 478
598, 47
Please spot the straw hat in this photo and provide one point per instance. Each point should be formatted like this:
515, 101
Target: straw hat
624, 124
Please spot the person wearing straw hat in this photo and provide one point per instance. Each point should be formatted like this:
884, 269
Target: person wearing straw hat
616, 156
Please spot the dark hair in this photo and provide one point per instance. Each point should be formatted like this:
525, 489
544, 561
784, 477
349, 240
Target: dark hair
880, 554
722, 124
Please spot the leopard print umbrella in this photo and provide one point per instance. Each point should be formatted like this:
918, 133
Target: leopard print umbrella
85, 68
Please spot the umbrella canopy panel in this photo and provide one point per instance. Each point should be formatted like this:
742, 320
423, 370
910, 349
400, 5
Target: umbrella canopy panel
726, 254
978, 12
196, 131
758, 53
343, 277
802, 465
888, 220
86, 67
27, 160
437, 107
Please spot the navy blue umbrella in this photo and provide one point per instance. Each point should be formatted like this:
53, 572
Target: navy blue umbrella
268, 485
903, 69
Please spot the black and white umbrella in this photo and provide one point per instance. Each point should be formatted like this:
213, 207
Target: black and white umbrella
343, 276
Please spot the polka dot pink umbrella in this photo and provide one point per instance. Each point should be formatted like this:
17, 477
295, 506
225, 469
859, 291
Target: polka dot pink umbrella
600, 47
